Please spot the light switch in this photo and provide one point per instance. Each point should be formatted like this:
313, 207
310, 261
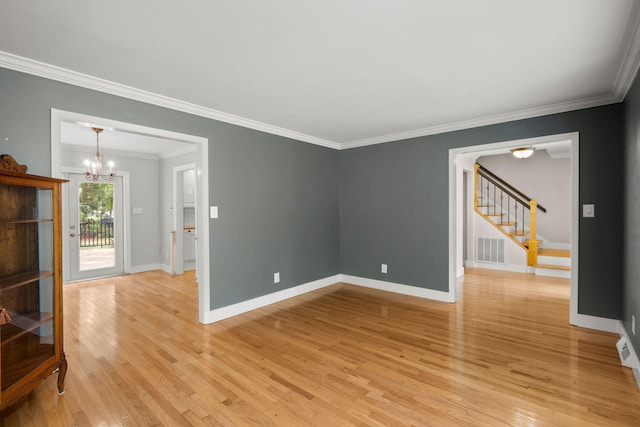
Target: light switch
213, 211
138, 211
588, 211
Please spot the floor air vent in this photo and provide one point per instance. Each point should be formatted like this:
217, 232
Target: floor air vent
490, 250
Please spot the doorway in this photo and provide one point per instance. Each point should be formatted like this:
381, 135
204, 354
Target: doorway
95, 228
456, 176
59, 118
185, 251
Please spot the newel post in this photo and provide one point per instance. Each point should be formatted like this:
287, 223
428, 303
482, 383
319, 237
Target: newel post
532, 255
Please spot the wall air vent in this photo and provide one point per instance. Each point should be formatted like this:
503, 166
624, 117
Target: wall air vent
490, 250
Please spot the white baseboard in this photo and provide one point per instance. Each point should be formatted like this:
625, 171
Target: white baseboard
635, 362
398, 288
459, 272
146, 267
597, 323
255, 303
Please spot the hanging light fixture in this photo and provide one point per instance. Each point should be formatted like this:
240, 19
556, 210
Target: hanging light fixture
94, 166
523, 152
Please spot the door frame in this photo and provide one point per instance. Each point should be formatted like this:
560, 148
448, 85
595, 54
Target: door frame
178, 216
455, 206
202, 183
126, 220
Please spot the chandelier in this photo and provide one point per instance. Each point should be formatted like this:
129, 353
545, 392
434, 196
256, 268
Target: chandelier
94, 166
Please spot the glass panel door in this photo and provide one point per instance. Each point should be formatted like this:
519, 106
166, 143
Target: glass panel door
95, 228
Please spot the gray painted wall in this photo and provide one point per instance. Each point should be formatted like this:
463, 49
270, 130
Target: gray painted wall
311, 212
144, 193
278, 197
394, 204
631, 288
546, 180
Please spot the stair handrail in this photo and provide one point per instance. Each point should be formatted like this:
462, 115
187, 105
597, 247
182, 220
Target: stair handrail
505, 186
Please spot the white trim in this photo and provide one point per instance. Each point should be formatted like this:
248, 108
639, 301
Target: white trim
598, 323
623, 83
635, 362
398, 288
145, 267
575, 183
41, 69
630, 57
488, 120
575, 227
202, 178
178, 216
265, 300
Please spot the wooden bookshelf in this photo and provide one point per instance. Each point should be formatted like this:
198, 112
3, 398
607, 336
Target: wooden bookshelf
31, 345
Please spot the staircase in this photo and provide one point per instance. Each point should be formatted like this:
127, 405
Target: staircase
514, 214
554, 263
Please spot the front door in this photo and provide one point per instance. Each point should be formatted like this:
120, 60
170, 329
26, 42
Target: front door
95, 228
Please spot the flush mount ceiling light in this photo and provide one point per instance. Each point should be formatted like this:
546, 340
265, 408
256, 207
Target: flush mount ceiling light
523, 152
94, 166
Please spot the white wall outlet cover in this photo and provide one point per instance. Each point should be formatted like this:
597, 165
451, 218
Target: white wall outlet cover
383, 268
138, 211
276, 277
213, 211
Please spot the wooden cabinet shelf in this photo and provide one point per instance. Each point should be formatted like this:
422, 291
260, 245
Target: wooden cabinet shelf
23, 324
31, 346
24, 221
21, 279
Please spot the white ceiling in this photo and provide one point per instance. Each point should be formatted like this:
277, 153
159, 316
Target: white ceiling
340, 73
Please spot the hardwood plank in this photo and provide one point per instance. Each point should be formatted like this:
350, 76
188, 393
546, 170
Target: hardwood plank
343, 355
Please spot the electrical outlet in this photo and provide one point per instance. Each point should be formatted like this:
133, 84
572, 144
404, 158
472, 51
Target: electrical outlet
383, 268
276, 277
633, 324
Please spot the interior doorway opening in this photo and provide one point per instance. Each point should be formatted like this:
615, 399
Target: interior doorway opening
460, 160
137, 213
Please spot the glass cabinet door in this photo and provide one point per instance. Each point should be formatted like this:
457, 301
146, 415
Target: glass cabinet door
27, 295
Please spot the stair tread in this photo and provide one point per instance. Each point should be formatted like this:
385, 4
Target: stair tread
507, 223
553, 267
561, 253
520, 233
494, 214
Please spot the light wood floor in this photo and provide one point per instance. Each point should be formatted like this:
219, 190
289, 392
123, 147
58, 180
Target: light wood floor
343, 355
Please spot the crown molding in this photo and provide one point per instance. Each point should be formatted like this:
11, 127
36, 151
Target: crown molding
488, 120
631, 57
52, 72
626, 76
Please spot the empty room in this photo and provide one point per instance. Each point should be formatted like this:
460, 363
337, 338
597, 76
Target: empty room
319, 213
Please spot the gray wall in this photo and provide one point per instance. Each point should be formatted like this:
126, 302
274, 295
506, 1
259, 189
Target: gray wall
278, 198
631, 289
281, 208
144, 193
394, 204
546, 180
